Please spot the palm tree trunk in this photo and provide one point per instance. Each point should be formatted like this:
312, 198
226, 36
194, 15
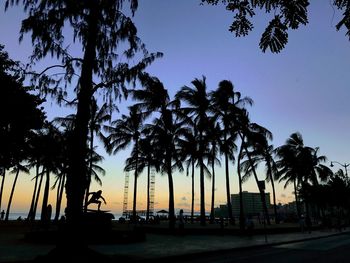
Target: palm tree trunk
240, 183
31, 210
262, 193
296, 198
171, 194
58, 197
274, 197
201, 182
45, 197
192, 197
38, 194
135, 182
76, 178
212, 213
148, 189
59, 201
228, 194
11, 196
2, 186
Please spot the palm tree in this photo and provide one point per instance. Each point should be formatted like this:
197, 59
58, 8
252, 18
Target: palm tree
264, 153
292, 166
213, 136
197, 107
189, 151
144, 158
3, 173
17, 169
225, 102
122, 133
166, 132
253, 136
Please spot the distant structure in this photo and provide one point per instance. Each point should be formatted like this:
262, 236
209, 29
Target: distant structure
126, 194
152, 191
251, 203
221, 211
127, 213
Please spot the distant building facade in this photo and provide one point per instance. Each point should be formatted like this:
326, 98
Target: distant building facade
252, 204
221, 211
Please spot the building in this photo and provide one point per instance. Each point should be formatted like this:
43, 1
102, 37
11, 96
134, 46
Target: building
252, 204
221, 211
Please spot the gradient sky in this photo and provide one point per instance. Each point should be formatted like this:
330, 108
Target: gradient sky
305, 88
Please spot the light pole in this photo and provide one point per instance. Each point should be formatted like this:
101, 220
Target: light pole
345, 165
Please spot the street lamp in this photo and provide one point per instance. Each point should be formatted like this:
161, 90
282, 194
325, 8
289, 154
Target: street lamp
345, 165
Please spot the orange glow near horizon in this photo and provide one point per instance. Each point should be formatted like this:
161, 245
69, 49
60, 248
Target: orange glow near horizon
113, 192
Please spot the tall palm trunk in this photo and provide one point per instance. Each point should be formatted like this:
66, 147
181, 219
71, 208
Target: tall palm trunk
44, 214
201, 182
228, 194
262, 193
192, 197
148, 190
212, 212
31, 210
38, 194
273, 193
171, 193
76, 178
135, 182
240, 183
2, 186
59, 198
11, 196
296, 198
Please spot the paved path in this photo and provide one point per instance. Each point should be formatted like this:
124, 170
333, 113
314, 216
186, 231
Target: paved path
157, 246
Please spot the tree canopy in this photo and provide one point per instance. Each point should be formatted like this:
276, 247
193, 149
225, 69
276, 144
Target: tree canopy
20, 113
287, 15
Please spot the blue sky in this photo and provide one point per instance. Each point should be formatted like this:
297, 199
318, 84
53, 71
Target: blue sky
305, 88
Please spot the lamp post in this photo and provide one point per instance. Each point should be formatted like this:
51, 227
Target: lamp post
345, 165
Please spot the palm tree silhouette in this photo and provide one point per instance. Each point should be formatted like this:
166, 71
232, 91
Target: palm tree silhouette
213, 136
197, 107
17, 169
291, 164
122, 133
225, 103
166, 132
189, 151
253, 136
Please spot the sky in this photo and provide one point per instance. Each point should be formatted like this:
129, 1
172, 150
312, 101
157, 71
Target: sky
304, 88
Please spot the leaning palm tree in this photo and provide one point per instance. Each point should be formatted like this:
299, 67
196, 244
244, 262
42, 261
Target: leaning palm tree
2, 174
17, 169
122, 133
253, 137
225, 102
197, 106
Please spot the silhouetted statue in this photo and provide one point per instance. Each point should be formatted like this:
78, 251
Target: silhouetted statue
94, 199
